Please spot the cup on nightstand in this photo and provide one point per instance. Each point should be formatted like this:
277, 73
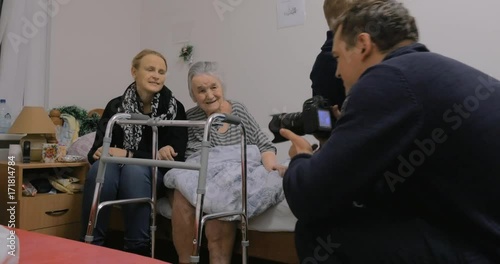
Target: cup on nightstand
49, 153
16, 151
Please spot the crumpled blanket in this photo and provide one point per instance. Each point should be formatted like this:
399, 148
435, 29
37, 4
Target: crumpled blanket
223, 188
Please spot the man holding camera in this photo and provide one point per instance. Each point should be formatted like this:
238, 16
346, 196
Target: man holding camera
410, 174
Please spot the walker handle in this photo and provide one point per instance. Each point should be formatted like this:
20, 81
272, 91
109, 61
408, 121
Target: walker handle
138, 117
231, 119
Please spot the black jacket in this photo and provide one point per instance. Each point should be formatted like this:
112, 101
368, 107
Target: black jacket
323, 80
167, 135
419, 134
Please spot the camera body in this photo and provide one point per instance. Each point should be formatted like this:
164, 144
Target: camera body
316, 118
317, 115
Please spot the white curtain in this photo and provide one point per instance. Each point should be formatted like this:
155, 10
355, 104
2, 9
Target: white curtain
24, 58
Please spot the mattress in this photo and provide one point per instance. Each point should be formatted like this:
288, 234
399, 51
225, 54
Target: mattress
277, 218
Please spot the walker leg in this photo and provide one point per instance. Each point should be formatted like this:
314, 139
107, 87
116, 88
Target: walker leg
153, 230
198, 229
94, 211
244, 240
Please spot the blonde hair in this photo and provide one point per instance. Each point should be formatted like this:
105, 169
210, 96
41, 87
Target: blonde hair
136, 61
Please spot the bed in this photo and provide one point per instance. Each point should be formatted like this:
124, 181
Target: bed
270, 233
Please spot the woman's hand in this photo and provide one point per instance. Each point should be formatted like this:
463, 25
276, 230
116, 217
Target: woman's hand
167, 153
271, 163
114, 152
280, 168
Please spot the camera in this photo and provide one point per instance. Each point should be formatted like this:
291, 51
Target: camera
316, 118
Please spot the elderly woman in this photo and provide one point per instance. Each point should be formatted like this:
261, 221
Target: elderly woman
206, 90
147, 95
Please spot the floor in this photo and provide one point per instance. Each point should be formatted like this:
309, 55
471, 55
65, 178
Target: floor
165, 250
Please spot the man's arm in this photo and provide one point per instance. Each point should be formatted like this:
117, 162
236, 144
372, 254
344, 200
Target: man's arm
380, 120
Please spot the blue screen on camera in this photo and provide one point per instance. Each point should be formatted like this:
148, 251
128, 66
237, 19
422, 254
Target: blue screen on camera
324, 119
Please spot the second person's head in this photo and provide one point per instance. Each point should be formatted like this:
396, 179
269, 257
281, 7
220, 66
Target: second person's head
206, 87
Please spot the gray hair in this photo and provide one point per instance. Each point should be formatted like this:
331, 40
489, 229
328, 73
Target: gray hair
204, 67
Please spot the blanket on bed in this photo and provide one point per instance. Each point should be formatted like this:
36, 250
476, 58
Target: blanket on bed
223, 190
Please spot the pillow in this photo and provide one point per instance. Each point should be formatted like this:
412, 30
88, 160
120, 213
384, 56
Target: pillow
82, 145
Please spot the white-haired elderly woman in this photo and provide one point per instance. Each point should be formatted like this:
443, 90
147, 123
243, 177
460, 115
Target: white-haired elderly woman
207, 91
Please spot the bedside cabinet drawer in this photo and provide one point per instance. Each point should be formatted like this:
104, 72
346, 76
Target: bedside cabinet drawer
69, 231
48, 210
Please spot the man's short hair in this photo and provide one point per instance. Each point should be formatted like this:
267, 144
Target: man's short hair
387, 21
334, 8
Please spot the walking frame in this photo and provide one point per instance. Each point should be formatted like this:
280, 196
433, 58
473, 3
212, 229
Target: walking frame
200, 219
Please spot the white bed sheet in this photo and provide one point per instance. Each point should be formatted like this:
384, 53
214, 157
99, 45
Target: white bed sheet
277, 218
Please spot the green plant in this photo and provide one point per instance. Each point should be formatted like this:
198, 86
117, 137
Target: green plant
186, 53
87, 123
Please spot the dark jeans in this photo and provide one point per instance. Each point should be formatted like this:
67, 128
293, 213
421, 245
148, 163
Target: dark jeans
121, 182
375, 240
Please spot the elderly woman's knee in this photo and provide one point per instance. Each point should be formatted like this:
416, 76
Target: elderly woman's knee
180, 203
217, 230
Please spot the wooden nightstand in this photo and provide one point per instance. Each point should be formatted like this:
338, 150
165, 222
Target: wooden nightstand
53, 214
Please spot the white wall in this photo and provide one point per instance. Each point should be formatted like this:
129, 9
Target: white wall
467, 31
265, 68
92, 46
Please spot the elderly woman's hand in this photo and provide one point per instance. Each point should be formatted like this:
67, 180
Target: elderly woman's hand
167, 153
280, 168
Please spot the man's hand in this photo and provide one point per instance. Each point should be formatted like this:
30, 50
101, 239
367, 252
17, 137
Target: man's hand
167, 153
299, 144
336, 111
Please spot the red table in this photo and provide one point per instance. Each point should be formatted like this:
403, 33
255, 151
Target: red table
41, 248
